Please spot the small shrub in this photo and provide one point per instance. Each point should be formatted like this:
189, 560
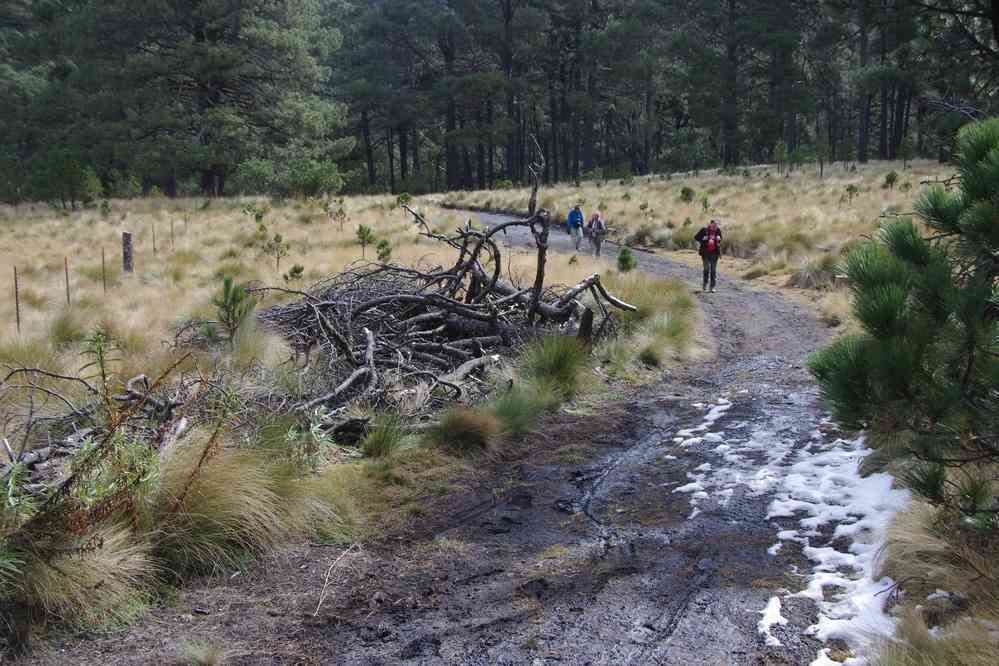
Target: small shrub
891, 178
626, 260
384, 438
233, 305
365, 237
687, 194
504, 184
105, 209
384, 250
294, 274
559, 360
466, 430
278, 248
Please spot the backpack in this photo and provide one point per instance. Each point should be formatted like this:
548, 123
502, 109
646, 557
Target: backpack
599, 226
712, 242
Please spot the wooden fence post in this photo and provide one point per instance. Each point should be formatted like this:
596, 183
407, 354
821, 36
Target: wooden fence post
65, 265
127, 257
17, 301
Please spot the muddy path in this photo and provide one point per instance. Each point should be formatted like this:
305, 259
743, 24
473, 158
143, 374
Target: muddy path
648, 544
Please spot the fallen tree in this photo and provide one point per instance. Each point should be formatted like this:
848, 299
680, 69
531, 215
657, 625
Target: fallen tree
383, 328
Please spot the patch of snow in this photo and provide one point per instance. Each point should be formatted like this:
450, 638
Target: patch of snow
774, 549
693, 487
939, 594
827, 488
771, 616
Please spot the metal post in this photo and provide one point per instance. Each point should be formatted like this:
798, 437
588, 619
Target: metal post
17, 301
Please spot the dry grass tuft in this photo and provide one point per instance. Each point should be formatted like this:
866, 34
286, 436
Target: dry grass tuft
210, 511
466, 430
110, 559
928, 552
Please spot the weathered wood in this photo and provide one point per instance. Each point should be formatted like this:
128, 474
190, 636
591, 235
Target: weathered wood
585, 333
127, 254
468, 367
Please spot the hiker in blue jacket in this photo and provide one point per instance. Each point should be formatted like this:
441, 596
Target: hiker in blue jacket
575, 224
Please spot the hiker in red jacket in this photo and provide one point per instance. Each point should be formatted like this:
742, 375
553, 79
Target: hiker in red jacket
709, 240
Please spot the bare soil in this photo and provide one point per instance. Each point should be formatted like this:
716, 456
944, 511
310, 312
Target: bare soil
571, 549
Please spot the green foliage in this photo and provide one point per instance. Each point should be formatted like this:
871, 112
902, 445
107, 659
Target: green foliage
384, 249
385, 437
851, 191
504, 184
922, 375
365, 236
404, 199
278, 248
558, 361
294, 274
626, 260
687, 194
891, 178
58, 177
256, 212
519, 407
233, 305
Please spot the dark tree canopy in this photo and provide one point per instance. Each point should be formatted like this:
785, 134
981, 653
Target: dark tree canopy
220, 96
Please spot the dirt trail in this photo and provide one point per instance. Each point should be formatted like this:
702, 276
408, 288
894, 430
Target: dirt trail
652, 549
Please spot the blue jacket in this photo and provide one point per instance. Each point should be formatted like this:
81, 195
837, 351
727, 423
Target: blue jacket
575, 220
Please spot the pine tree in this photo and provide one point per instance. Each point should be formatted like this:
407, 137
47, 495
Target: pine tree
923, 377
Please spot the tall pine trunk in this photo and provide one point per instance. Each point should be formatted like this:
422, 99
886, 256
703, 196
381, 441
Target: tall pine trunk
864, 97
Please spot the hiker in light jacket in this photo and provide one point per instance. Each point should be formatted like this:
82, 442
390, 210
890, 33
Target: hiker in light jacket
596, 229
574, 224
709, 240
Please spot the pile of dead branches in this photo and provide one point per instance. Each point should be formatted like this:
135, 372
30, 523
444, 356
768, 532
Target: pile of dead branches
381, 329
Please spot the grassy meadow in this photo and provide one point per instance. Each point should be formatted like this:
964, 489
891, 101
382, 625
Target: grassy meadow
241, 480
783, 232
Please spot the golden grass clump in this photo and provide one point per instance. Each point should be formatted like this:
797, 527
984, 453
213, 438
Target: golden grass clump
97, 580
211, 509
966, 642
466, 430
925, 547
